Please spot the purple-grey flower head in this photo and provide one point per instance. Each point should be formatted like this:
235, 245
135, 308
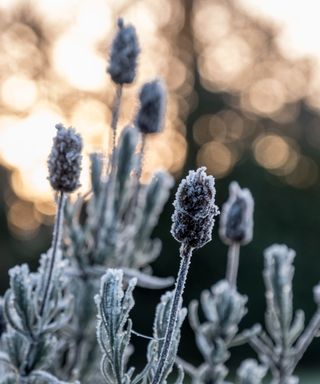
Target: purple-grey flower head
195, 209
151, 112
64, 162
236, 221
123, 55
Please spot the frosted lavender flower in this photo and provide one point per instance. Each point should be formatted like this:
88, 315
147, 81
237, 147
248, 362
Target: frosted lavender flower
150, 116
236, 222
64, 162
195, 208
123, 56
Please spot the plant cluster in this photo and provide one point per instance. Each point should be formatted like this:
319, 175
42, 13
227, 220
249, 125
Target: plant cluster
69, 321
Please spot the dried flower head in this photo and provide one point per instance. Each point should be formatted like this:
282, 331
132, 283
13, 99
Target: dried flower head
124, 53
64, 162
236, 221
195, 209
150, 116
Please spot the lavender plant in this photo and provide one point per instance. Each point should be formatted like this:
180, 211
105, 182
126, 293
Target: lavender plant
102, 247
236, 226
122, 67
193, 220
286, 339
115, 327
38, 305
113, 227
223, 306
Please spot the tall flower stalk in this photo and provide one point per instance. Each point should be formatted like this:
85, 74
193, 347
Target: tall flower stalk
122, 69
193, 220
64, 165
236, 227
38, 306
223, 307
150, 116
56, 240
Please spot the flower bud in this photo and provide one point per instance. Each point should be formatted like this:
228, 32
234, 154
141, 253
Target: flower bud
64, 162
250, 372
236, 222
150, 116
195, 209
124, 53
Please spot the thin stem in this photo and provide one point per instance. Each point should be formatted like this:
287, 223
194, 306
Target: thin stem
145, 336
233, 264
114, 121
263, 350
187, 367
135, 196
27, 365
55, 245
185, 253
141, 157
307, 337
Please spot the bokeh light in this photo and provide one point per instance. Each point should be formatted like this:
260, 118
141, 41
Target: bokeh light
53, 69
263, 63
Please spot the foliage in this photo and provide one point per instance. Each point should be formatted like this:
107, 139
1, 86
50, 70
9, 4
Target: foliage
48, 328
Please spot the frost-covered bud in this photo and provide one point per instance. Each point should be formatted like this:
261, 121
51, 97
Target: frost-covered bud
278, 272
150, 116
250, 372
279, 258
195, 209
124, 53
236, 221
64, 162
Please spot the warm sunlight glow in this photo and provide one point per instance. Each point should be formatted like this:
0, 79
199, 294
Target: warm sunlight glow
216, 157
19, 93
53, 69
79, 64
271, 151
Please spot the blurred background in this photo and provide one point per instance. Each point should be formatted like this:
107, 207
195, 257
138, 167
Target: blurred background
243, 82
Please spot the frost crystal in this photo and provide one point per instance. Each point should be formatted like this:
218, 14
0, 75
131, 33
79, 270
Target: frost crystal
150, 116
64, 162
123, 56
195, 209
236, 222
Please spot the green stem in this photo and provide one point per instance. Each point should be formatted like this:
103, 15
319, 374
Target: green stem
306, 338
114, 121
27, 366
141, 157
185, 253
233, 264
55, 246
